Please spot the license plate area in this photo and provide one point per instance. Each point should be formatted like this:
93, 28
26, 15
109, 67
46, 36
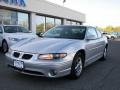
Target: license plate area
18, 64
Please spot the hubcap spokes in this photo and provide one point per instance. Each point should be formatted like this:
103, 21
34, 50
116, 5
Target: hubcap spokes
78, 67
105, 53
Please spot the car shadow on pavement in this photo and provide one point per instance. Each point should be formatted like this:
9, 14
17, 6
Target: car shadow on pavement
32, 78
87, 78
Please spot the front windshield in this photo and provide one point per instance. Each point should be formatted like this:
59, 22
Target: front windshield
68, 32
15, 29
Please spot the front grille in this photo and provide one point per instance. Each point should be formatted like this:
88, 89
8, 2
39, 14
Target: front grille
16, 54
22, 55
27, 56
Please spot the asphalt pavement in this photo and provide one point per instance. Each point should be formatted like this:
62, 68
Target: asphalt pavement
101, 75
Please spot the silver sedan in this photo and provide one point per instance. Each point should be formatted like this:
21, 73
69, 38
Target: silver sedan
62, 50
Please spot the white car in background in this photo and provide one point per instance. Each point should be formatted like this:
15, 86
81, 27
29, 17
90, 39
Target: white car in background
110, 36
11, 34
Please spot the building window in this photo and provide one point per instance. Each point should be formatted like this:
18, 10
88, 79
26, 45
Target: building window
50, 22
73, 23
8, 17
0, 17
81, 23
23, 19
0, 21
58, 22
68, 22
78, 23
40, 24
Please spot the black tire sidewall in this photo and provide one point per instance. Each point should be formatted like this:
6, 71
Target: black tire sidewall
3, 47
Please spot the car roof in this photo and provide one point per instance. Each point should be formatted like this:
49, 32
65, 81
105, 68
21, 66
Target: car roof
78, 25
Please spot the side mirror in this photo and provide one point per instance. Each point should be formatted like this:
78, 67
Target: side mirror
90, 37
40, 34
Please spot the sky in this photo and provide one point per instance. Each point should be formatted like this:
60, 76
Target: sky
99, 13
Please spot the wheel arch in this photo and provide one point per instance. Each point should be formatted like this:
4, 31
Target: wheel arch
82, 51
3, 41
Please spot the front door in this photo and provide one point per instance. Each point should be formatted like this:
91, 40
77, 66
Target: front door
92, 45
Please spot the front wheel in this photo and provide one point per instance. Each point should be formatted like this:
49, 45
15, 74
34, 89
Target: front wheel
113, 38
77, 67
4, 47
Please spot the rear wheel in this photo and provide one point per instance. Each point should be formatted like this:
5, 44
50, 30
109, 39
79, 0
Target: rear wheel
77, 67
104, 54
113, 38
4, 47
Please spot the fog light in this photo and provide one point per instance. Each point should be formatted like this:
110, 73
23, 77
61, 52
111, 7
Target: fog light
52, 73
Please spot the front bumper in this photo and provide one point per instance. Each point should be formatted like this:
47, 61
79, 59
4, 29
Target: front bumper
42, 68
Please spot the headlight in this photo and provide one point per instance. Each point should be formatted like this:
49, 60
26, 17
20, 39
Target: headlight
13, 39
16, 39
52, 56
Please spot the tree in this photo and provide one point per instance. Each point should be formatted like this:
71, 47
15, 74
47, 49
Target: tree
109, 29
117, 29
40, 28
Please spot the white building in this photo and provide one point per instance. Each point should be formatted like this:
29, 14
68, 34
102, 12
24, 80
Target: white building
37, 15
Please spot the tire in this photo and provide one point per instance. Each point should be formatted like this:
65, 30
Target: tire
113, 38
104, 54
77, 67
4, 47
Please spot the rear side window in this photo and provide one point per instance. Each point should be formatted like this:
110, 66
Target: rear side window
99, 34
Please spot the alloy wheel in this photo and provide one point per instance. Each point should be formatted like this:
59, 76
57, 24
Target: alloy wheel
78, 67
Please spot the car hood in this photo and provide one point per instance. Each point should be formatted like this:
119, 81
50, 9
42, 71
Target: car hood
43, 45
20, 35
